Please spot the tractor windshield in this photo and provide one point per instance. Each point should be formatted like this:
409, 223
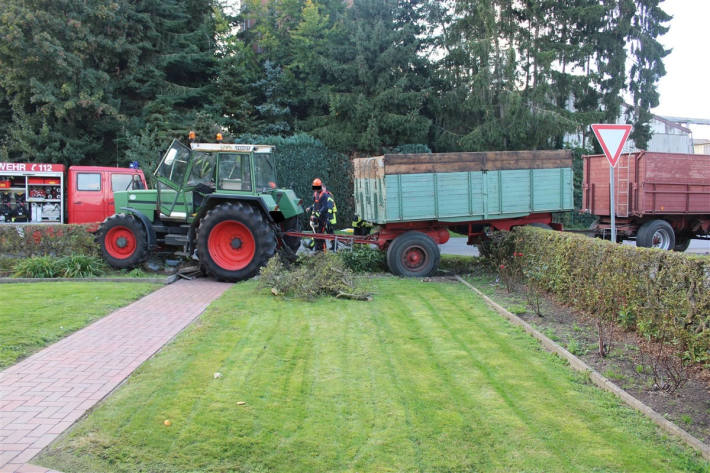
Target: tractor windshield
203, 171
264, 171
174, 164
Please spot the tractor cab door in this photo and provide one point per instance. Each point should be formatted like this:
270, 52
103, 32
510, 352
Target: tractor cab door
170, 177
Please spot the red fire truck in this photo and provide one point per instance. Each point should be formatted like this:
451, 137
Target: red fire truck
48, 193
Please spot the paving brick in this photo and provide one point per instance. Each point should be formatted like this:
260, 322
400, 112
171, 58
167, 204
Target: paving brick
26, 455
11, 468
18, 435
8, 455
29, 468
45, 394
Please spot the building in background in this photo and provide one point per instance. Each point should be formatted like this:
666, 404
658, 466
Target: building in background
669, 135
701, 146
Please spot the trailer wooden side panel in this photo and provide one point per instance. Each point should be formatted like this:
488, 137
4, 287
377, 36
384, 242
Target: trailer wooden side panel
648, 183
462, 187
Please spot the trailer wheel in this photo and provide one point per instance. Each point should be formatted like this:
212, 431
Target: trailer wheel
123, 241
234, 241
542, 226
413, 254
656, 234
682, 242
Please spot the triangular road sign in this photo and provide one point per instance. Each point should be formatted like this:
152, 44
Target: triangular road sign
612, 137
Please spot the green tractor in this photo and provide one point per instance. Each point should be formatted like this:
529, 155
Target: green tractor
218, 202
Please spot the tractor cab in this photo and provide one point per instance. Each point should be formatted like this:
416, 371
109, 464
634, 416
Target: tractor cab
189, 178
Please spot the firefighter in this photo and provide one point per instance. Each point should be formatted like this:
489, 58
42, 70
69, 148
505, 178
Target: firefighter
332, 217
323, 212
361, 227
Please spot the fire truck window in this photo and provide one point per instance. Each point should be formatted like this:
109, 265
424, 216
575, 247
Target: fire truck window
121, 182
88, 182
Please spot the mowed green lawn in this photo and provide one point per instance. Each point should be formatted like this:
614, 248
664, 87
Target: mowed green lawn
425, 378
33, 315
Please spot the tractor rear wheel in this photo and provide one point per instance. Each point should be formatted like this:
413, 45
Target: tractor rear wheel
123, 241
234, 241
413, 254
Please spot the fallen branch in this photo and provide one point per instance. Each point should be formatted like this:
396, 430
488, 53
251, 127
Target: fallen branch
355, 297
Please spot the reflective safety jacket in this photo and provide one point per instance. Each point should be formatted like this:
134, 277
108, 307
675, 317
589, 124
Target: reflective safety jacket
324, 207
332, 210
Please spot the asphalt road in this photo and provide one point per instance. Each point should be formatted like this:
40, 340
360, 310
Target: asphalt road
458, 246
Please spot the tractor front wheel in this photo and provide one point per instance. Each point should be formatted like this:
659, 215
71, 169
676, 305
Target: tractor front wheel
123, 241
234, 241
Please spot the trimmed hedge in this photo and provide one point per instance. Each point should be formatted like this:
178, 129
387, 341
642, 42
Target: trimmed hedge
52, 240
300, 159
657, 293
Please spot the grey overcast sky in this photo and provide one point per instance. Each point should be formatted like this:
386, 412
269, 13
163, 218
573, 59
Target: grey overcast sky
685, 89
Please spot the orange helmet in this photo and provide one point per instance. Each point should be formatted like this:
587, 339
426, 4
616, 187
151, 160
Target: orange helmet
317, 184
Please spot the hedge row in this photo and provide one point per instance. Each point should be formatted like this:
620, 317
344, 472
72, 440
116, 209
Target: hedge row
53, 240
657, 293
300, 159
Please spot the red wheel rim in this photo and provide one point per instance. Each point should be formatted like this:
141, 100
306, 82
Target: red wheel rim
120, 242
231, 245
414, 257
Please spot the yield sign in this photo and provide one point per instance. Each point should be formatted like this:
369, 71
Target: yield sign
612, 138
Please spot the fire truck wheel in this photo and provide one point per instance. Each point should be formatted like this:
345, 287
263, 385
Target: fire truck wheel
234, 241
413, 254
656, 234
123, 241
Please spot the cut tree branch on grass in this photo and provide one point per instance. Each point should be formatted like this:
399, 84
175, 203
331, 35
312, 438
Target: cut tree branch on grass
311, 277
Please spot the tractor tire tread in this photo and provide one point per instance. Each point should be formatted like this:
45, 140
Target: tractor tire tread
136, 227
264, 239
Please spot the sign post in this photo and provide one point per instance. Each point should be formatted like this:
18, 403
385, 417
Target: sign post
612, 138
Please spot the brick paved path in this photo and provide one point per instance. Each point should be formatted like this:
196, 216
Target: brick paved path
46, 393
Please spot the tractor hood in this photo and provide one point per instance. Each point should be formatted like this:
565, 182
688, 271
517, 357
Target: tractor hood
144, 201
287, 202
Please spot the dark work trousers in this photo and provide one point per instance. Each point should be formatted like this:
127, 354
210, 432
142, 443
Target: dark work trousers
324, 226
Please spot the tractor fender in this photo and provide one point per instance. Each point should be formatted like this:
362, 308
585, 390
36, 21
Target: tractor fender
149, 230
213, 200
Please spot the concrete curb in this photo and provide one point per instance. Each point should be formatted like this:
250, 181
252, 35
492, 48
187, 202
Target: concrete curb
596, 377
166, 280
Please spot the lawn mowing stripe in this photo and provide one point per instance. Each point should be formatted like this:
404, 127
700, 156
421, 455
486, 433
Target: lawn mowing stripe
473, 396
503, 391
431, 354
372, 412
381, 329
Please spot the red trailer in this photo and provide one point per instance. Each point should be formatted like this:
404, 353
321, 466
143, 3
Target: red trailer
662, 199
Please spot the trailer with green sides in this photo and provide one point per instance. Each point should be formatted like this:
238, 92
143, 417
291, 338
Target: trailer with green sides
413, 199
